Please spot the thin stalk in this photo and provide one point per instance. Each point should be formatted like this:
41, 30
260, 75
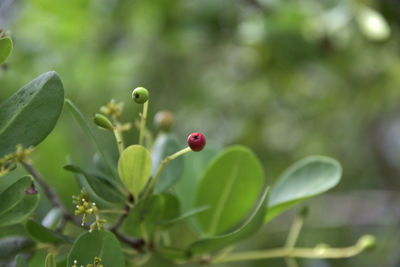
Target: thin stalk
294, 233
118, 139
143, 122
310, 253
161, 168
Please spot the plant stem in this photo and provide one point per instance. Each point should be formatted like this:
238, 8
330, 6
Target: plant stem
292, 237
311, 253
136, 243
51, 195
118, 139
143, 122
161, 168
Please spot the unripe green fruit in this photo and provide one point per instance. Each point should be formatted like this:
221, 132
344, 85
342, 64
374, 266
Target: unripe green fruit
140, 95
102, 121
164, 120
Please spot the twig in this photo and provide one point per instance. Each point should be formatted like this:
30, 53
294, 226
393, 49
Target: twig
51, 195
136, 243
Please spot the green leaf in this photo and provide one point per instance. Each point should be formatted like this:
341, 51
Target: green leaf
12, 246
194, 166
80, 119
103, 187
42, 234
134, 168
182, 217
142, 218
230, 186
30, 114
165, 145
21, 262
306, 178
15, 203
6, 46
100, 244
50, 261
251, 225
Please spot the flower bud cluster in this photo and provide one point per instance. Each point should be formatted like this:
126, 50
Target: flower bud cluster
85, 208
9, 161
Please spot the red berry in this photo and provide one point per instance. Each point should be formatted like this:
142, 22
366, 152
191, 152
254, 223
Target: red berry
196, 141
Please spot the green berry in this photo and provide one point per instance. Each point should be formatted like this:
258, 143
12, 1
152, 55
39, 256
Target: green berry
102, 121
140, 95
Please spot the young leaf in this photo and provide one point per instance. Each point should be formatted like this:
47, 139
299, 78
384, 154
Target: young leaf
44, 235
103, 187
230, 186
50, 261
15, 203
30, 114
165, 145
100, 244
134, 168
6, 46
306, 178
249, 227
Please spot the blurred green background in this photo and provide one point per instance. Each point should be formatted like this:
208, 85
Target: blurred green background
287, 78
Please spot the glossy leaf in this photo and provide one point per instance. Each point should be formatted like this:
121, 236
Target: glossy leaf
15, 203
103, 187
100, 244
194, 166
30, 114
42, 234
306, 178
10, 247
230, 187
80, 119
134, 168
252, 224
6, 46
165, 145
50, 261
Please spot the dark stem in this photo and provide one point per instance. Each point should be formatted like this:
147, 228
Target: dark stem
136, 243
51, 195
123, 216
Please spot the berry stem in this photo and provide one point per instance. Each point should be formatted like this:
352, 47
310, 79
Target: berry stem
143, 122
161, 168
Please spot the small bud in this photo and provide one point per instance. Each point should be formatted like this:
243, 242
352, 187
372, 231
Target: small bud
164, 120
367, 242
196, 141
140, 95
102, 121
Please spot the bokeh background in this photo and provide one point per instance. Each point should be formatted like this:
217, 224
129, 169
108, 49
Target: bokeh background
288, 78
